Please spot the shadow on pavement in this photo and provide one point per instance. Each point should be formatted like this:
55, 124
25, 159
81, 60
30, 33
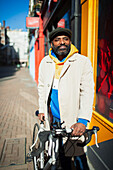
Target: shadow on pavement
7, 71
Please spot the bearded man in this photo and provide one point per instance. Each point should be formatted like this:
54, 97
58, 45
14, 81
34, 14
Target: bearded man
66, 89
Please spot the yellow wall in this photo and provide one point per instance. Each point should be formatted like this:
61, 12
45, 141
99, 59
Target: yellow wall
84, 28
106, 128
89, 32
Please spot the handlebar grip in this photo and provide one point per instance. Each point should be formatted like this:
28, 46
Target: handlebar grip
89, 132
43, 119
86, 141
37, 112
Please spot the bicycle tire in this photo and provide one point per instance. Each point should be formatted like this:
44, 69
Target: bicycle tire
35, 132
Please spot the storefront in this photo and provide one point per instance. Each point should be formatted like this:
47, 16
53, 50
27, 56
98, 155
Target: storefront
97, 44
36, 43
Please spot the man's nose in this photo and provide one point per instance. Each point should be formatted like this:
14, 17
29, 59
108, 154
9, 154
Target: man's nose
62, 41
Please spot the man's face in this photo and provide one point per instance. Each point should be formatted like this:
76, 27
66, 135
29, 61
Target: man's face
61, 45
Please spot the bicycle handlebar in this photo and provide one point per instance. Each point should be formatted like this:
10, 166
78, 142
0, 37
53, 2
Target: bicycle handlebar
90, 132
44, 136
53, 135
59, 131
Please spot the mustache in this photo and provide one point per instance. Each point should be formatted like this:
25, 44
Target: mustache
61, 46
57, 51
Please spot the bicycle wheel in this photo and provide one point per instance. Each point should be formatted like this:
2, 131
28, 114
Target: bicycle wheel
37, 145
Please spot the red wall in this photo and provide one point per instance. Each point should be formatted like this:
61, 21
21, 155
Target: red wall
39, 49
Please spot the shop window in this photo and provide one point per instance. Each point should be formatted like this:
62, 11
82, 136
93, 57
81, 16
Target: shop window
104, 92
66, 17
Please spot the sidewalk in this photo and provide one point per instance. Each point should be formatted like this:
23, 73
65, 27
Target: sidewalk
18, 103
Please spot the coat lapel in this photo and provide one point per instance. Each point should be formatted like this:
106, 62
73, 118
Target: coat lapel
68, 64
51, 69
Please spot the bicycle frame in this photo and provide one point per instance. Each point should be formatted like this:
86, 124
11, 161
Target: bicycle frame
41, 159
52, 149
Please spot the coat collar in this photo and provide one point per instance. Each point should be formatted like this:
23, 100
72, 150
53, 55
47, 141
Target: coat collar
73, 58
67, 64
73, 50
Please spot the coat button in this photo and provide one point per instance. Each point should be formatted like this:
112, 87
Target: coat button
48, 85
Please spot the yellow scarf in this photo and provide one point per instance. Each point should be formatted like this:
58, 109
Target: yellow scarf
58, 64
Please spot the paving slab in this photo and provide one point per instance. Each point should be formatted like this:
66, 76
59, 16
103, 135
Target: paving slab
14, 152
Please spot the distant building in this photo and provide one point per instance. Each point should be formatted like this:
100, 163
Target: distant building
19, 40
13, 46
3, 44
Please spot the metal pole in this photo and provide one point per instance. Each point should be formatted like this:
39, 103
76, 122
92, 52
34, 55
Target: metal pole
77, 18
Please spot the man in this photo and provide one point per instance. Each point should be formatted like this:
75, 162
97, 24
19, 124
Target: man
66, 85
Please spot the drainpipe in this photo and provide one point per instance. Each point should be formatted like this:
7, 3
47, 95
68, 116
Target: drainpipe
77, 22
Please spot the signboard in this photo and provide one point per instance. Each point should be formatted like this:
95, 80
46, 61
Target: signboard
32, 22
61, 23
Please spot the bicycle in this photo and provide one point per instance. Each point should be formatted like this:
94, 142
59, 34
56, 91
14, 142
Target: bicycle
43, 158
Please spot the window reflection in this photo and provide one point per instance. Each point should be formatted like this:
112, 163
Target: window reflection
104, 93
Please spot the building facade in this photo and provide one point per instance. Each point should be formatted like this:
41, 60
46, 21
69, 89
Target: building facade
18, 40
91, 23
34, 24
13, 46
4, 40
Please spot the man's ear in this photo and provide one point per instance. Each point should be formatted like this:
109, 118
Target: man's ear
51, 44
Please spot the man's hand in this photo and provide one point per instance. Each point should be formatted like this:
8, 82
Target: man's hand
78, 129
41, 116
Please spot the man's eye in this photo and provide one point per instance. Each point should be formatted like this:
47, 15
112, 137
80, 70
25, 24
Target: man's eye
66, 39
56, 40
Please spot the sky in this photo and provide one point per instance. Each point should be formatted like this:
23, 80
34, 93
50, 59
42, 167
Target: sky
14, 12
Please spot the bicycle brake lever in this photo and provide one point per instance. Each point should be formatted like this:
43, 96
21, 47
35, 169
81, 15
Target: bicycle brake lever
96, 141
62, 122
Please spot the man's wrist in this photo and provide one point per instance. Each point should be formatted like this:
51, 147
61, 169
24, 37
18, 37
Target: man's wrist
83, 121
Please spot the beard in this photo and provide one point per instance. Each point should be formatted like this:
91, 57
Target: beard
61, 52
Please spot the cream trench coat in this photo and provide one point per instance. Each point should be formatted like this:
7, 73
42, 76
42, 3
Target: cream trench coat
75, 89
